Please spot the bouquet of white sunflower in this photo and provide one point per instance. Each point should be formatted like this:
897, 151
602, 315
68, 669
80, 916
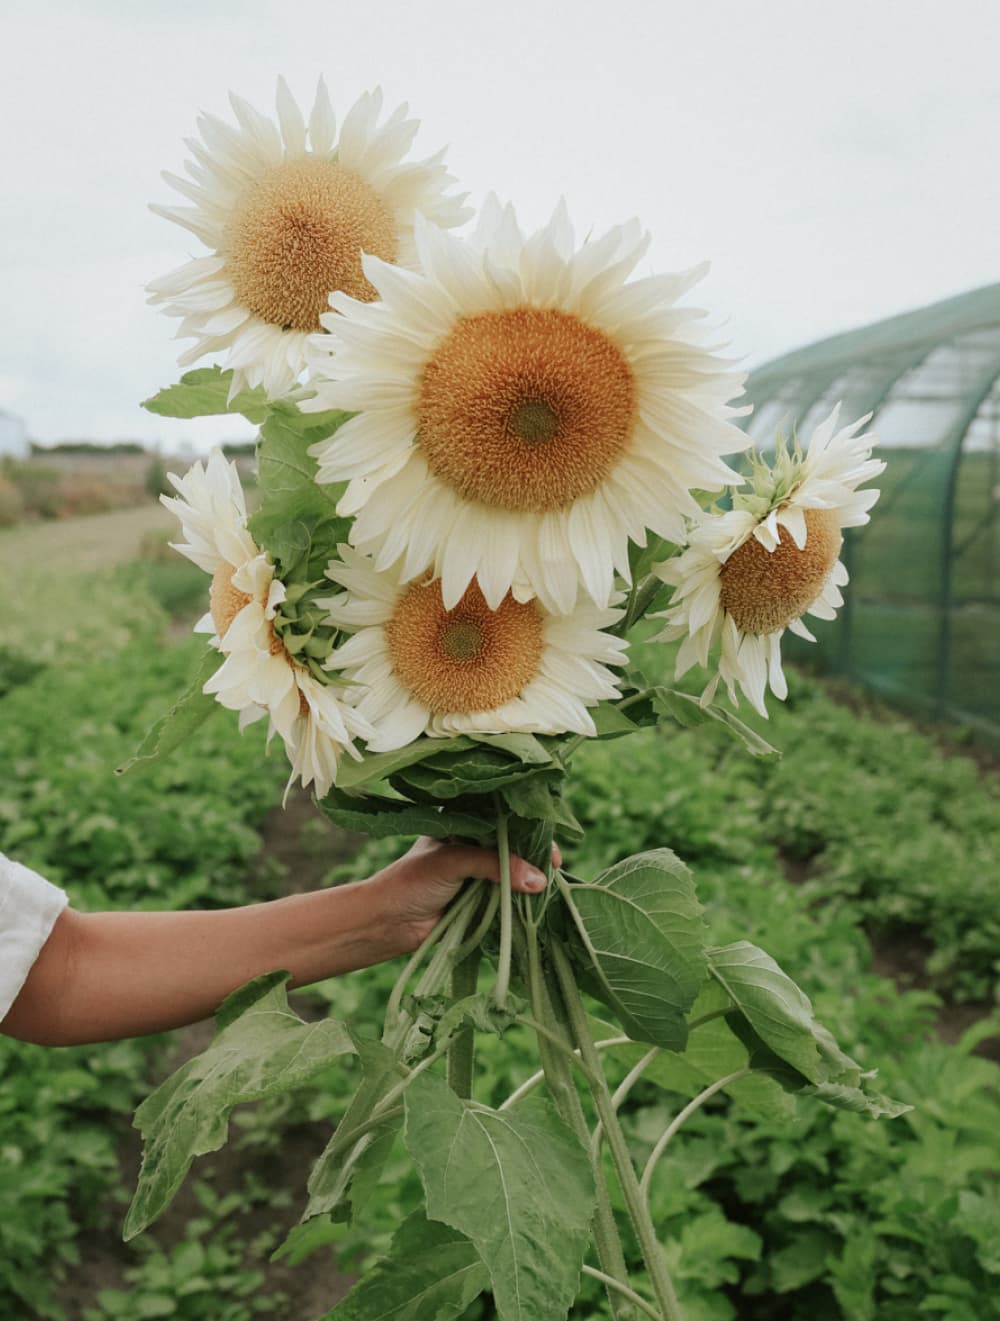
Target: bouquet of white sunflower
486, 462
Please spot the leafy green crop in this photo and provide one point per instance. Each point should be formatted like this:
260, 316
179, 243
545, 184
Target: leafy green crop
797, 1210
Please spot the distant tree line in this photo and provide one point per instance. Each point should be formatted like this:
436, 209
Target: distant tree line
233, 449
89, 447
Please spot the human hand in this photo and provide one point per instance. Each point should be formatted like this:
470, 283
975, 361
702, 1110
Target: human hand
419, 886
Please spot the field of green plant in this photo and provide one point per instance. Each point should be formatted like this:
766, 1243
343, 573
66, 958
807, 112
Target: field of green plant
866, 831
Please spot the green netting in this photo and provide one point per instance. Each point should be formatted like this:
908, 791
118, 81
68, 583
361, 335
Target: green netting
922, 619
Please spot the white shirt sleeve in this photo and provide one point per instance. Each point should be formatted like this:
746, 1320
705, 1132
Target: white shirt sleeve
29, 906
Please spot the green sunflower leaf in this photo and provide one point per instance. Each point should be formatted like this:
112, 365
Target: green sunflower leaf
642, 934
372, 814
297, 522
187, 714
260, 1049
776, 1009
517, 1183
431, 1273
205, 393
380, 765
348, 1169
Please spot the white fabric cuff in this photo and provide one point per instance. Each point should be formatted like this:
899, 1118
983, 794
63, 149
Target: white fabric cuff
29, 906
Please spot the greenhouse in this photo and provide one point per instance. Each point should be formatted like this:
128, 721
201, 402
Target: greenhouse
921, 624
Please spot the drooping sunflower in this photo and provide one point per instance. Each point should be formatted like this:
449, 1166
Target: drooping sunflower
287, 209
749, 573
258, 676
523, 409
423, 668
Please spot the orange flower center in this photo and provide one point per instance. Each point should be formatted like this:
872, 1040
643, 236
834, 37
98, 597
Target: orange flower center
525, 410
467, 659
225, 600
298, 234
765, 590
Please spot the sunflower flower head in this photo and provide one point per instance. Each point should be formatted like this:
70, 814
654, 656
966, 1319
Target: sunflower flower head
262, 629
286, 208
752, 571
523, 410
420, 666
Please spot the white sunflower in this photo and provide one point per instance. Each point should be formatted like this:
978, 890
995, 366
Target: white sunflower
287, 210
258, 677
523, 409
749, 573
422, 668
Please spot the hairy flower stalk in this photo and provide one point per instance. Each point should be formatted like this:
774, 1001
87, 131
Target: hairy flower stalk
638, 1207
563, 1090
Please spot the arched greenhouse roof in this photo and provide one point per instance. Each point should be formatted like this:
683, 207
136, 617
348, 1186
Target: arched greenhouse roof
922, 619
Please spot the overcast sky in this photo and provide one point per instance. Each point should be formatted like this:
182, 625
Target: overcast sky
836, 163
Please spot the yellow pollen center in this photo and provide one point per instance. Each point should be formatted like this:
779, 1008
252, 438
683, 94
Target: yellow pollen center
467, 659
298, 234
525, 410
765, 590
225, 600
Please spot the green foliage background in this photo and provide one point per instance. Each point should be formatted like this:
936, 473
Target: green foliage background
810, 1213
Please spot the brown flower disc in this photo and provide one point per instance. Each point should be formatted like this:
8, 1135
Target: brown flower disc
766, 590
224, 600
467, 659
526, 409
298, 234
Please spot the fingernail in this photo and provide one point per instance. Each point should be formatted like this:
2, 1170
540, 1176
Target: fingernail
534, 879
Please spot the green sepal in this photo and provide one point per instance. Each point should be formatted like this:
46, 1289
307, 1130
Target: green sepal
375, 766
642, 558
187, 715
688, 712
645, 704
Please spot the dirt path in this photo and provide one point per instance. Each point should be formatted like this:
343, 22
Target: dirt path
81, 545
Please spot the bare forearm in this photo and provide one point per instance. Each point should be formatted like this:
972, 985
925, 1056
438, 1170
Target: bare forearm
103, 976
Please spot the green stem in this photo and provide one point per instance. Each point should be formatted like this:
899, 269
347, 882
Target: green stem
610, 1282
696, 1023
635, 1202
531, 1083
567, 1099
359, 1131
461, 1048
396, 1092
621, 1092
417, 957
474, 941
555, 1039
682, 1118
502, 985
